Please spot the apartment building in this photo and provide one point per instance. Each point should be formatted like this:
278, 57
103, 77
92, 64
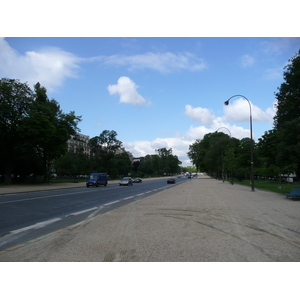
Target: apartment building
78, 143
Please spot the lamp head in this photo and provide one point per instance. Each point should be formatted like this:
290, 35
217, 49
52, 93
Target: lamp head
226, 102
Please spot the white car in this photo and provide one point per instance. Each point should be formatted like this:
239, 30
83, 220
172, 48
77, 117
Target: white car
126, 181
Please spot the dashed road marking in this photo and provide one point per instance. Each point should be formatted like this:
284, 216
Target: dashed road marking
81, 212
37, 225
110, 203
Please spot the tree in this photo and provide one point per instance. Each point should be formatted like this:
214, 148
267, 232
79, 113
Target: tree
15, 103
164, 162
47, 129
208, 154
122, 164
168, 163
196, 154
287, 118
103, 150
33, 128
72, 164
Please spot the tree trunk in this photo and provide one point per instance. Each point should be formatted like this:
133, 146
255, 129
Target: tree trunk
9, 167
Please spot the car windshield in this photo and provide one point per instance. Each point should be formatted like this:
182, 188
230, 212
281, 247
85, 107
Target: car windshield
125, 178
93, 176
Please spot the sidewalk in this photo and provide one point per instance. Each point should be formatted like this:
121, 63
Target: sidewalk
201, 220
13, 189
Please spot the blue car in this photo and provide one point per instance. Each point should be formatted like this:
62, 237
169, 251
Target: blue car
96, 179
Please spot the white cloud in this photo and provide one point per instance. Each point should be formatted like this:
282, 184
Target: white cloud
247, 61
239, 111
161, 62
127, 90
51, 66
199, 114
179, 145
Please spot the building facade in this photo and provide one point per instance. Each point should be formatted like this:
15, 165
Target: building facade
79, 143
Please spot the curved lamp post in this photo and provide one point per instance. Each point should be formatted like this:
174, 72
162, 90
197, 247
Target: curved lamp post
251, 141
230, 155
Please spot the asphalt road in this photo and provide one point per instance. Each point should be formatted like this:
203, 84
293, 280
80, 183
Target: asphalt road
27, 216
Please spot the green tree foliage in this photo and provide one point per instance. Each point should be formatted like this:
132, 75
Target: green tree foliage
47, 129
189, 169
72, 164
15, 103
164, 162
32, 127
103, 150
122, 164
287, 118
219, 155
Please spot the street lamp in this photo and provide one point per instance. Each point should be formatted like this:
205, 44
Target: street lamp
230, 155
251, 141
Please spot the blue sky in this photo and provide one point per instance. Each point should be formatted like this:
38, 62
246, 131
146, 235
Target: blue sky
156, 92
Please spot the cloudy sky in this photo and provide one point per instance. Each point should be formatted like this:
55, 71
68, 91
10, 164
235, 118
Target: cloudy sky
156, 92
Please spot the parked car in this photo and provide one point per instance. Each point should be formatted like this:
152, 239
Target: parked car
137, 180
126, 181
171, 180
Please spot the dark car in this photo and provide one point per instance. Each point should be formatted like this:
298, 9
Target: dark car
137, 180
96, 179
171, 180
126, 181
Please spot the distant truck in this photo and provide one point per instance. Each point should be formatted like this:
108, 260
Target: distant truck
96, 179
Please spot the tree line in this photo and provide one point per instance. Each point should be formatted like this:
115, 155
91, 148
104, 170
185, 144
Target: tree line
276, 152
159, 164
105, 157
34, 135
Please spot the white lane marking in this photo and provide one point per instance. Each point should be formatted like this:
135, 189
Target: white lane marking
81, 212
148, 192
110, 203
128, 198
140, 194
37, 225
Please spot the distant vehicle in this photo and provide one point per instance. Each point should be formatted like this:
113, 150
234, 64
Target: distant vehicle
137, 180
96, 179
126, 181
171, 180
